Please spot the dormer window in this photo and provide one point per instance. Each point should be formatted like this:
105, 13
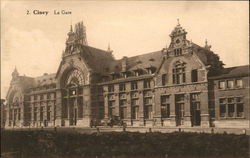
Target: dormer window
151, 70
124, 74
137, 72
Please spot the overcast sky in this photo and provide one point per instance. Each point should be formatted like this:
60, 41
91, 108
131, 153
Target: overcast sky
34, 43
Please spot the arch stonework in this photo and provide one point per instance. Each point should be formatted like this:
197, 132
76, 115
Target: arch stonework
15, 107
73, 109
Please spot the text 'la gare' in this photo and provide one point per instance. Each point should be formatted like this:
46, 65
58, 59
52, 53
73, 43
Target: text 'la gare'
58, 12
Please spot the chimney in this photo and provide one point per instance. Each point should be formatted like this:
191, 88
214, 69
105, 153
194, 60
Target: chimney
124, 63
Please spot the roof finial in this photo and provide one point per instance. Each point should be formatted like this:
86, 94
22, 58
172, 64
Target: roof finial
178, 22
71, 28
109, 49
207, 46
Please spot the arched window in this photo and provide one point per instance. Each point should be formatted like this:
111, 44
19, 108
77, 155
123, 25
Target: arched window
179, 75
75, 78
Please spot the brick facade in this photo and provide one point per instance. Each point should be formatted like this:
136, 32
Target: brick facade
181, 85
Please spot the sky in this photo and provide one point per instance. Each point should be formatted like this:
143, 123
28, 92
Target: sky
34, 43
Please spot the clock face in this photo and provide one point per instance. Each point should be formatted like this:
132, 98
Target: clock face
177, 42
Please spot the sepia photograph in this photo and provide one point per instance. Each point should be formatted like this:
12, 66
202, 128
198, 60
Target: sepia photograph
125, 79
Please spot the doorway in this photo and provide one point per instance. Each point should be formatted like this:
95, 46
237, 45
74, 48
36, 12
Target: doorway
179, 109
195, 114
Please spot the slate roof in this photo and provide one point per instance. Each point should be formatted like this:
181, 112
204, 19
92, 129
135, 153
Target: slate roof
46, 79
98, 60
238, 71
144, 61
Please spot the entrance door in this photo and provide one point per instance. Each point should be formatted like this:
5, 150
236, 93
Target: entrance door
195, 114
179, 111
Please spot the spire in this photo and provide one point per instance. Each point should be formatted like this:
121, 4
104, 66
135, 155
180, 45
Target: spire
15, 73
109, 49
178, 22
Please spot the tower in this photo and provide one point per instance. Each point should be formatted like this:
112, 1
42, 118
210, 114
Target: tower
80, 31
75, 38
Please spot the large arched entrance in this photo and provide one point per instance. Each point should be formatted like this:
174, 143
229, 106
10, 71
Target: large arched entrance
15, 104
72, 97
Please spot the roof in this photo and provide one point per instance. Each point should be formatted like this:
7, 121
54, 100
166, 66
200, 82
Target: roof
46, 79
144, 61
98, 60
238, 71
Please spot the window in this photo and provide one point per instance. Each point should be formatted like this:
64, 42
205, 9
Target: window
178, 52
240, 107
148, 112
111, 110
230, 84
135, 102
164, 79
48, 113
41, 114
148, 108
48, 96
35, 114
179, 75
239, 83
122, 87
240, 110
221, 84
75, 78
231, 107
230, 110
123, 102
80, 90
147, 83
19, 114
11, 114
134, 108
137, 72
134, 85
222, 110
165, 106
123, 112
35, 97
111, 88
195, 108
135, 112
73, 92
148, 101
194, 75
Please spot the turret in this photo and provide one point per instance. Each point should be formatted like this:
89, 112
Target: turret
15, 74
